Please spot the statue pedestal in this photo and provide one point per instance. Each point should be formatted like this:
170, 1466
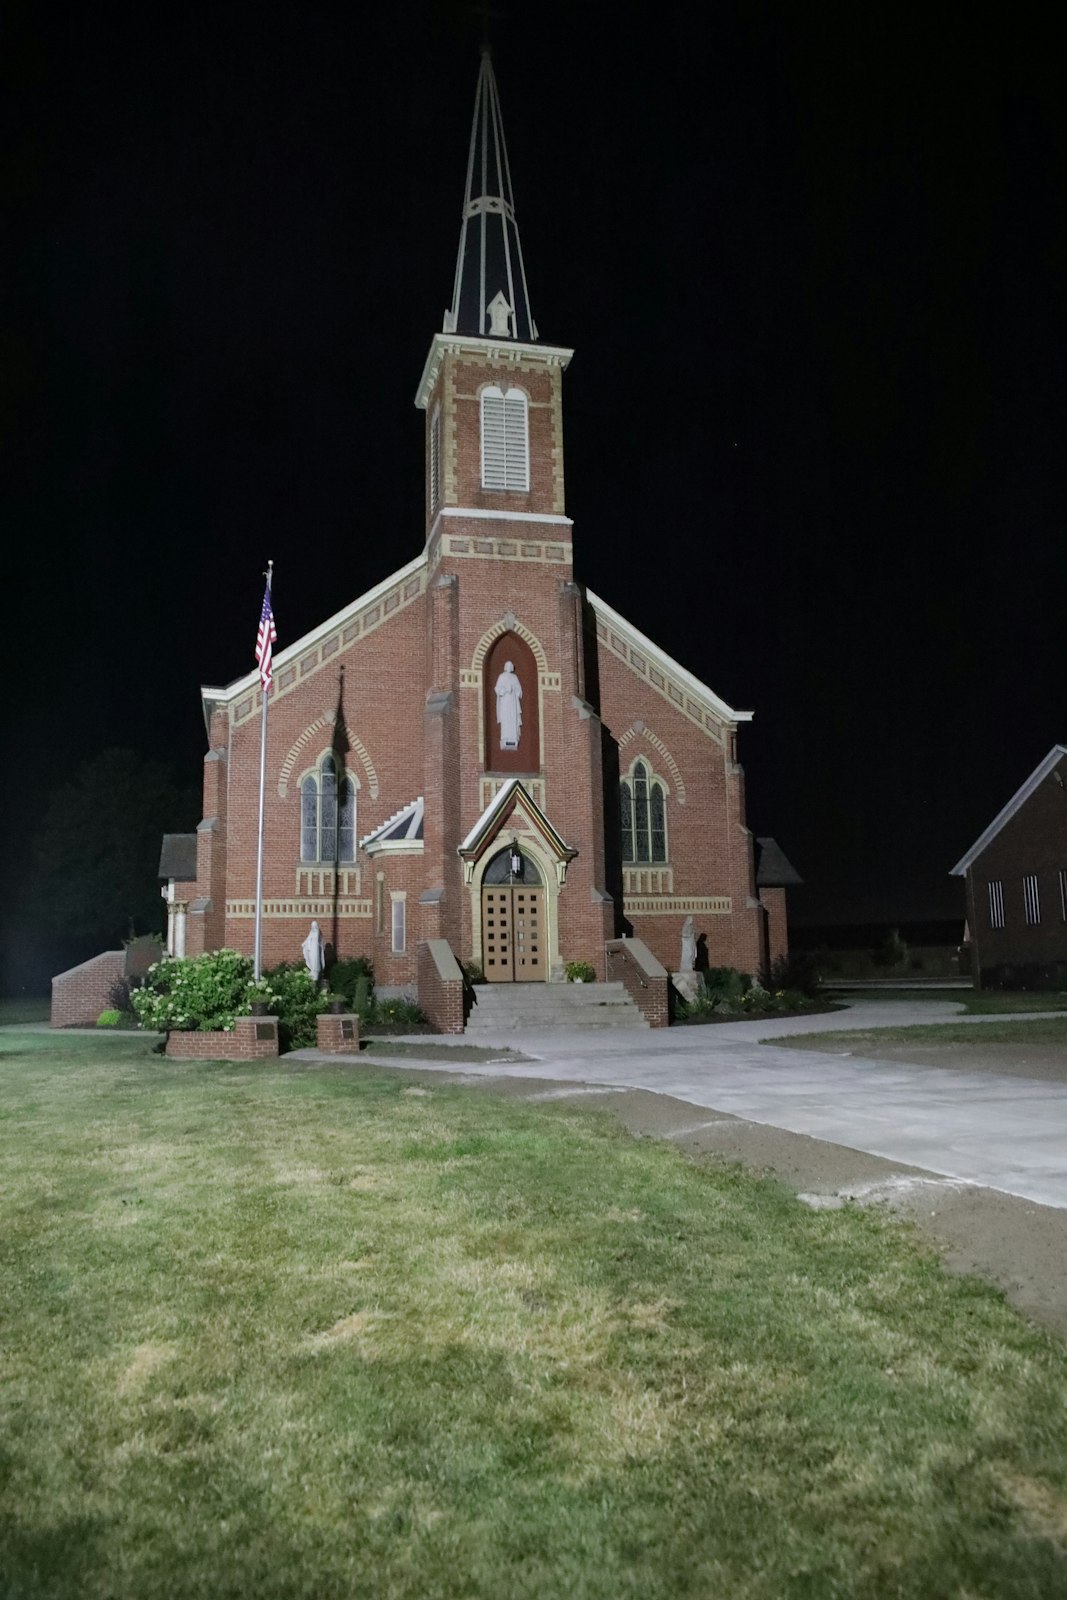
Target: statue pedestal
688, 984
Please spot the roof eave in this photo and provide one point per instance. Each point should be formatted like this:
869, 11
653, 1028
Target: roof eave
442, 344
282, 657
1018, 800
718, 706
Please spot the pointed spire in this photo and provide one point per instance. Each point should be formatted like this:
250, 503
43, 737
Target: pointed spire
490, 298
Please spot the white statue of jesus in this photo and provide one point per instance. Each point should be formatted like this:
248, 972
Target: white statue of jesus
313, 951
509, 707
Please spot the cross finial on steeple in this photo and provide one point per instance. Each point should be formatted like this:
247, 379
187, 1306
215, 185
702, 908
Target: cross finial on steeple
490, 297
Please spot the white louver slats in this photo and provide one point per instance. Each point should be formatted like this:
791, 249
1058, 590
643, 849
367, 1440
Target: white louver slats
435, 461
516, 452
505, 440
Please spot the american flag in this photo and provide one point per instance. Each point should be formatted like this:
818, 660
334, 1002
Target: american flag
266, 638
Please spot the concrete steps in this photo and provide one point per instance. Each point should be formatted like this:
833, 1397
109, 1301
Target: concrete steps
514, 1007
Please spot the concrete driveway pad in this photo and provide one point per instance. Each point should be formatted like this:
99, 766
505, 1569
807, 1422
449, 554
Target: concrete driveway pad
1007, 1133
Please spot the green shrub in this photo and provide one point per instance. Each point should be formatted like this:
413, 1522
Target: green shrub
797, 970
398, 1012
893, 951
109, 1019
703, 1004
726, 985
363, 997
295, 999
197, 994
472, 972
580, 972
344, 976
118, 997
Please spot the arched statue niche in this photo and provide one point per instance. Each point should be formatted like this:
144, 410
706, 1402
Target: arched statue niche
511, 707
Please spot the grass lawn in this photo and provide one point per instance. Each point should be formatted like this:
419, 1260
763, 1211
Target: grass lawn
330, 1332
1042, 1030
24, 1009
978, 1002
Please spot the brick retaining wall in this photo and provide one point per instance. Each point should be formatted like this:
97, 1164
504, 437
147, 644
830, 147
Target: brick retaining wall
253, 1039
441, 986
80, 994
630, 962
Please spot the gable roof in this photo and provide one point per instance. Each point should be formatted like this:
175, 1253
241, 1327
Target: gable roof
497, 812
773, 870
693, 698
177, 859
400, 831
369, 610
1017, 801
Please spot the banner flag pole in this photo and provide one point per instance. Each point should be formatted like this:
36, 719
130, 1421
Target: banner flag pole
265, 640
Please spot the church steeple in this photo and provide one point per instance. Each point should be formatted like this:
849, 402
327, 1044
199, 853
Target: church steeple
490, 298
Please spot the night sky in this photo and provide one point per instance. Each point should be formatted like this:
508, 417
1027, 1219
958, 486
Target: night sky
811, 263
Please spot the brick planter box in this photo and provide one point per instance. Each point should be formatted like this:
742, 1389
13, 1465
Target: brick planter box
253, 1039
337, 1034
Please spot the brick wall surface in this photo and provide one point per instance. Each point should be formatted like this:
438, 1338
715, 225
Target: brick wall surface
79, 995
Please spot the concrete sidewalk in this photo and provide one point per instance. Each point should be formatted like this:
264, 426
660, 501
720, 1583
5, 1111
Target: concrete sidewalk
1006, 1133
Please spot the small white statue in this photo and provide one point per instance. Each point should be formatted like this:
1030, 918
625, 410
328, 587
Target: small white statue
689, 947
509, 707
313, 952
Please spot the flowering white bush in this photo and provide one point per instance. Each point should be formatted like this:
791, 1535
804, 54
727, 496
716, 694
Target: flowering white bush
196, 994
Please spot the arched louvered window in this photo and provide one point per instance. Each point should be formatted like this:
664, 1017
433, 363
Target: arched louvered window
327, 821
505, 439
643, 816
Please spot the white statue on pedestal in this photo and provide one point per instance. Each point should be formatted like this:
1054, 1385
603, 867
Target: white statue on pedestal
686, 981
509, 707
313, 952
689, 947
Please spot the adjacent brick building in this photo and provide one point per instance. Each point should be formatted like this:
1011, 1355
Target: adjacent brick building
478, 750
1016, 874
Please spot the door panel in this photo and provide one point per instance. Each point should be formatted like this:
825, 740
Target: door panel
496, 935
514, 948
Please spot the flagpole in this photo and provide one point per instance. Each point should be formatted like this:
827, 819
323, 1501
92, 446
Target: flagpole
262, 791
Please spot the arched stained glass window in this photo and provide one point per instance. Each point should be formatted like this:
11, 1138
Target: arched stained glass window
327, 829
626, 813
643, 816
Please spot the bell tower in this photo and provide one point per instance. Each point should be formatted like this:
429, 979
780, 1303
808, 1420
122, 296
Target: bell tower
492, 392
506, 705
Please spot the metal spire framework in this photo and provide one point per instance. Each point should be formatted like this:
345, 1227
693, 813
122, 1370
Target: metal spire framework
490, 297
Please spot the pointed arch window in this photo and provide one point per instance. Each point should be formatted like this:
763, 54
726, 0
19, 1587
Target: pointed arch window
505, 439
643, 816
327, 817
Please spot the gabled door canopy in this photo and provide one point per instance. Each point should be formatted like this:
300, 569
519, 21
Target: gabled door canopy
512, 797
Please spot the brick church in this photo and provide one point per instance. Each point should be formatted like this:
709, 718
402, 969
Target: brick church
480, 750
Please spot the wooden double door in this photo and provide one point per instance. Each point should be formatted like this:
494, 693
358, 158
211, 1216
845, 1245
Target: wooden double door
514, 935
